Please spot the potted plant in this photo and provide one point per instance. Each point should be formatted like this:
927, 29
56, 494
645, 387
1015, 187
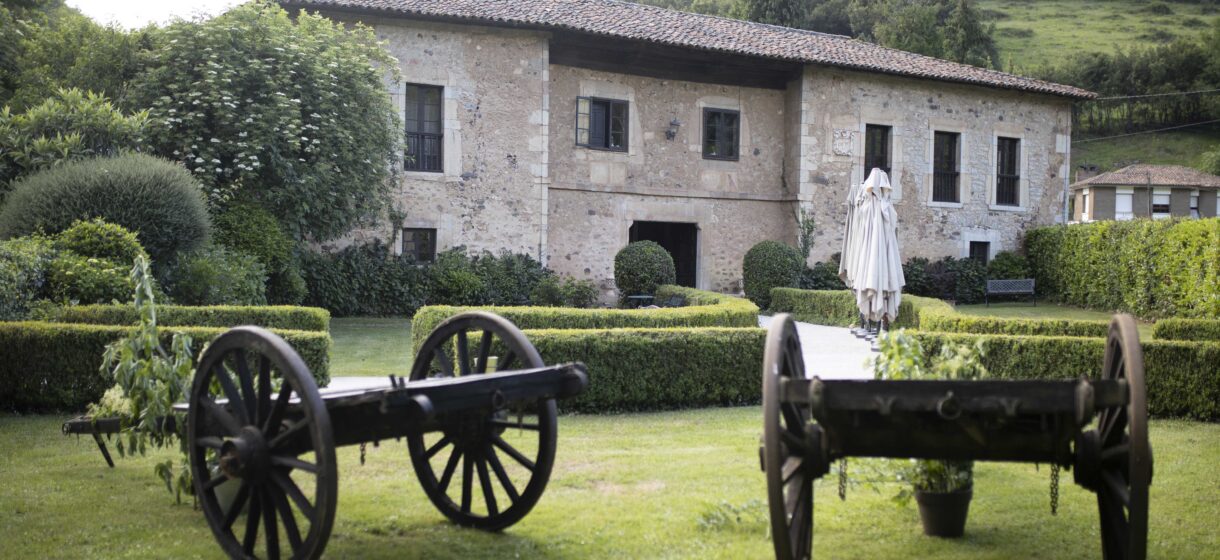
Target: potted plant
943, 489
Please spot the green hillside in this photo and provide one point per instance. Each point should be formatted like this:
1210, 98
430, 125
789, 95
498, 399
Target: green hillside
1034, 33
1177, 147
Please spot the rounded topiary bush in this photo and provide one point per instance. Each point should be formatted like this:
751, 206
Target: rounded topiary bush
767, 265
640, 267
100, 239
160, 201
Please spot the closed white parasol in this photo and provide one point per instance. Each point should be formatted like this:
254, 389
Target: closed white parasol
845, 256
877, 278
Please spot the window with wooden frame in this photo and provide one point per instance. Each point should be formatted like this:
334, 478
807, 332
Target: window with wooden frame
1008, 172
721, 135
601, 124
980, 251
876, 148
423, 127
419, 244
945, 167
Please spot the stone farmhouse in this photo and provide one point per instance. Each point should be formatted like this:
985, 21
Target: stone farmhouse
1146, 191
567, 128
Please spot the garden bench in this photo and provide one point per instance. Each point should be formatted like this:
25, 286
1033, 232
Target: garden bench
810, 423
1014, 287
261, 436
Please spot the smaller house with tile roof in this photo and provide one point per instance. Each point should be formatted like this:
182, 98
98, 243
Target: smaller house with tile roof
1146, 191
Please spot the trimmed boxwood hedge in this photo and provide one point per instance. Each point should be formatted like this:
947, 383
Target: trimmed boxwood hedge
941, 320
838, 307
266, 316
1183, 377
654, 369
1186, 329
56, 366
707, 309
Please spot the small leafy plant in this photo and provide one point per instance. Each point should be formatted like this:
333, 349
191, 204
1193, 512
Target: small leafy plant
903, 357
148, 381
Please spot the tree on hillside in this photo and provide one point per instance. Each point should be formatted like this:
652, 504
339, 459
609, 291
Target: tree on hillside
967, 40
289, 113
827, 16
913, 27
18, 19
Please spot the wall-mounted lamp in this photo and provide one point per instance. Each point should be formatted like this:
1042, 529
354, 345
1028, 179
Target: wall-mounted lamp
672, 132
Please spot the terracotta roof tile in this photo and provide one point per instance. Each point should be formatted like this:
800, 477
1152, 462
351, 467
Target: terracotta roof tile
670, 27
1158, 175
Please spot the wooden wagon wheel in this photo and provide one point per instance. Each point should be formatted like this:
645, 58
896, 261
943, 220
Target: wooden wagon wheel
1115, 460
789, 447
253, 405
524, 434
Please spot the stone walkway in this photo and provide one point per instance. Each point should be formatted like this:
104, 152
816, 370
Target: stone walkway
832, 352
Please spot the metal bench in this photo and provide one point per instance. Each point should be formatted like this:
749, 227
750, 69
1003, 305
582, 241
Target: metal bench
1024, 286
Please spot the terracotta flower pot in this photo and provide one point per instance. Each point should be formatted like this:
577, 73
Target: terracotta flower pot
944, 513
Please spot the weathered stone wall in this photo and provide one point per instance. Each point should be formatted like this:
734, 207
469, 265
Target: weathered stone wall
492, 194
595, 195
838, 104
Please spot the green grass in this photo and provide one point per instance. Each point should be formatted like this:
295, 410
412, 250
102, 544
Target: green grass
370, 347
1177, 147
1044, 310
1033, 34
634, 486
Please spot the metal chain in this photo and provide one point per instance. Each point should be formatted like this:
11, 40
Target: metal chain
1054, 488
843, 479
362, 446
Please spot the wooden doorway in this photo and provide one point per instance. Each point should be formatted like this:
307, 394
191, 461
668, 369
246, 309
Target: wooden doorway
680, 239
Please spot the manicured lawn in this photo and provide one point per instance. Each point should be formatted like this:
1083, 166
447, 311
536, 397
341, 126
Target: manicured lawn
1044, 310
372, 347
633, 486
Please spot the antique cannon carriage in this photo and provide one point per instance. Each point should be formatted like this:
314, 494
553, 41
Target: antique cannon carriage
808, 423
478, 394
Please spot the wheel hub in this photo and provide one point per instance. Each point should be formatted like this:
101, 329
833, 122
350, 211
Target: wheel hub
1087, 468
246, 456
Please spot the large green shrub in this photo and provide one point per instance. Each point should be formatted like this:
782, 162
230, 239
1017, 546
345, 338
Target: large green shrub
365, 280
23, 274
961, 280
767, 265
1187, 329
156, 199
291, 112
54, 366
73, 278
251, 229
454, 280
269, 317
822, 275
563, 291
217, 276
1182, 377
100, 239
1007, 265
1150, 268
641, 267
71, 125
653, 369
508, 278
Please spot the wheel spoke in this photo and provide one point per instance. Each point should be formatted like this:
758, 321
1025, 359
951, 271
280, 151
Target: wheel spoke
247, 387
505, 481
503, 365
514, 425
1116, 453
270, 526
294, 463
792, 494
449, 468
489, 496
252, 518
272, 424
285, 482
796, 445
512, 452
439, 355
288, 433
226, 420
463, 350
467, 482
1115, 420
432, 451
214, 482
264, 389
484, 351
792, 466
231, 392
290, 522
239, 502
1118, 488
209, 442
